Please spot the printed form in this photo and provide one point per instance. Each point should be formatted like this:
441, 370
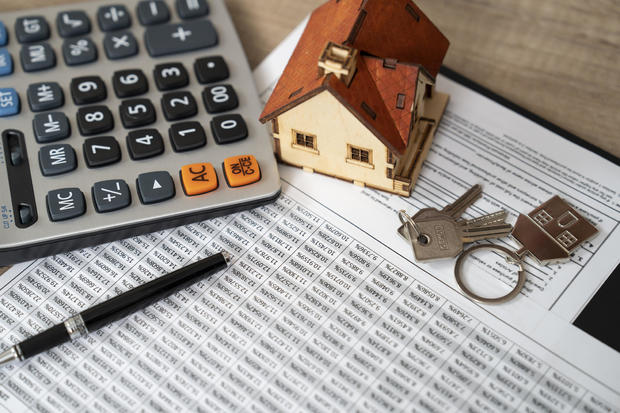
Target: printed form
324, 308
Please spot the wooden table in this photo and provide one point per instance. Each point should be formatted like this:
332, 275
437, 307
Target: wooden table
558, 58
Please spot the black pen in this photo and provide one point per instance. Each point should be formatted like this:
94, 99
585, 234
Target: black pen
116, 308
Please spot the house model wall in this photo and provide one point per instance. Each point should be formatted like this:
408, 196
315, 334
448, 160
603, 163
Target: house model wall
357, 100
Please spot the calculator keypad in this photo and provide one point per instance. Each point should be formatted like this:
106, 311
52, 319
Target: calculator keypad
88, 89
153, 12
129, 83
137, 112
211, 69
166, 39
93, 120
155, 187
120, 45
241, 170
79, 51
189, 9
72, 23
198, 179
101, 151
144, 144
66, 203
6, 62
31, 29
187, 136
45, 96
228, 129
113, 18
221, 98
51, 127
57, 159
170, 76
35, 57
111, 195
178, 105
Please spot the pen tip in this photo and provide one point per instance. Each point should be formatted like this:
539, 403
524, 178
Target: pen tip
227, 257
8, 356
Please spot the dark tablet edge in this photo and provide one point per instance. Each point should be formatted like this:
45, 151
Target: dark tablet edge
598, 317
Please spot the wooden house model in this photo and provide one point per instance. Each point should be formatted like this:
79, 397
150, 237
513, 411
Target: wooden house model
357, 100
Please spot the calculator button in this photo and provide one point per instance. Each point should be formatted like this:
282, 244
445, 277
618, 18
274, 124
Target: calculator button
153, 12
36, 57
220, 98
211, 69
170, 76
137, 112
175, 38
101, 151
94, 119
114, 17
144, 143
45, 96
241, 170
66, 203
72, 23
154, 187
57, 159
51, 127
228, 128
111, 195
178, 105
88, 89
32, 29
186, 136
6, 63
129, 83
198, 179
9, 102
79, 51
189, 9
120, 45
4, 36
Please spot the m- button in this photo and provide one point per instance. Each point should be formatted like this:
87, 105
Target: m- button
198, 179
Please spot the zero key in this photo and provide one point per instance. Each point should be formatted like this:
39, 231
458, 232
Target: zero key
241, 170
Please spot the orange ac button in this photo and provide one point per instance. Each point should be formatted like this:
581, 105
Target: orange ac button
198, 178
241, 170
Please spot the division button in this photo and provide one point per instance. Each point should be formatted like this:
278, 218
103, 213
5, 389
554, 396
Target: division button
72, 23
45, 96
6, 63
198, 179
119, 45
9, 102
178, 105
66, 203
101, 151
92, 120
241, 170
175, 38
32, 29
154, 187
57, 159
36, 57
144, 143
79, 51
170, 76
153, 12
111, 195
186, 136
115, 17
220, 98
51, 127
228, 128
88, 89
137, 112
211, 69
4, 36
129, 83
189, 9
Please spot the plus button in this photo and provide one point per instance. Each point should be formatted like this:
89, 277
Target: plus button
181, 34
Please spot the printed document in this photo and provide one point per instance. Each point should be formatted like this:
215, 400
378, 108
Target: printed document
324, 308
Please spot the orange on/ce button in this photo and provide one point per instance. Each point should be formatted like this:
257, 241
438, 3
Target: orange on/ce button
198, 178
241, 170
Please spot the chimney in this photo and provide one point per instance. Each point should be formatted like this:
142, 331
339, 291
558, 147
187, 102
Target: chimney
340, 60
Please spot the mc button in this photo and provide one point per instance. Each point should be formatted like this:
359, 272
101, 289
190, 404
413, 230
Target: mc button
198, 179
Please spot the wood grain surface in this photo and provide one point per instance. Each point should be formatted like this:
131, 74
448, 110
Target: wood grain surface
557, 58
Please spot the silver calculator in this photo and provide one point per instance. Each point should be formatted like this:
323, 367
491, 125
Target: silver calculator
118, 119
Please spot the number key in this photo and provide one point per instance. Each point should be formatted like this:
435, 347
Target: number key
170, 76
101, 151
228, 128
178, 105
137, 112
88, 89
220, 98
186, 136
94, 119
144, 143
129, 83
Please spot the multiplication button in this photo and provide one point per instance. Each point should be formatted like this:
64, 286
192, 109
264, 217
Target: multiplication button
66, 203
111, 195
119, 45
154, 187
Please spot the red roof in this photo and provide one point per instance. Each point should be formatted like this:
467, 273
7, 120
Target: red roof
389, 29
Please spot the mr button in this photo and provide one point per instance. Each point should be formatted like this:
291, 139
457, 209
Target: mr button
198, 179
241, 170
67, 203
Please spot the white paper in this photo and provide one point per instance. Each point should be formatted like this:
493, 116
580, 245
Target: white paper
324, 308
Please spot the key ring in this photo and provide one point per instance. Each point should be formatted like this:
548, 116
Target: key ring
511, 257
408, 223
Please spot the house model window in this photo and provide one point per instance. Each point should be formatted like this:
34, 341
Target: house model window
360, 154
304, 140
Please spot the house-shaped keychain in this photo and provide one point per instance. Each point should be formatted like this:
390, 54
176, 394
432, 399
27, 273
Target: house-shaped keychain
357, 99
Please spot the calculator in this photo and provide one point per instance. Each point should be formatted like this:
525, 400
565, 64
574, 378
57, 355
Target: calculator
118, 119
